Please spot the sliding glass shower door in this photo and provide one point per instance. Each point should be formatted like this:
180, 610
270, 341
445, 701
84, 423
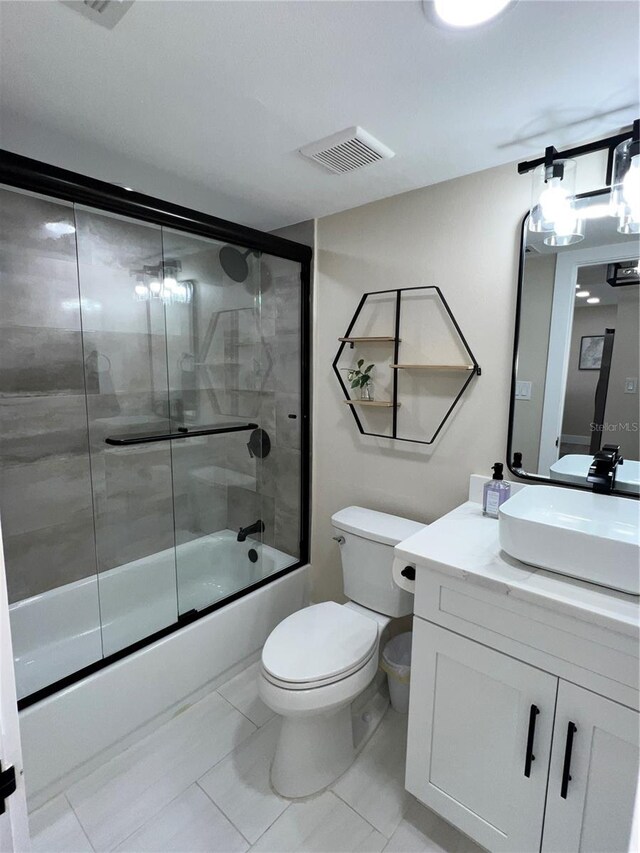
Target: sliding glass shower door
217, 369
125, 366
46, 500
150, 428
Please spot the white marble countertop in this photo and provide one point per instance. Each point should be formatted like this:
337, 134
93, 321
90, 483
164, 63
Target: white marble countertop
464, 543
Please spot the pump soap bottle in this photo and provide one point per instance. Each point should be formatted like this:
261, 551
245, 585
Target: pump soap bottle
495, 493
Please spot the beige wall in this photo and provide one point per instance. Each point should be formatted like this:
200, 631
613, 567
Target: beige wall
462, 235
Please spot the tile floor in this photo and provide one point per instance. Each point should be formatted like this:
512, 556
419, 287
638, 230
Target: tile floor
200, 782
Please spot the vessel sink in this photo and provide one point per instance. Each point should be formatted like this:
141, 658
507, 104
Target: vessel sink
581, 534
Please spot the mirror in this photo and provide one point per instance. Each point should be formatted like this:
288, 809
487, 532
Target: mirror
575, 384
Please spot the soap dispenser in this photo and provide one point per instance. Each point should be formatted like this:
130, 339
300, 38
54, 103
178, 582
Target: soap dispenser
496, 492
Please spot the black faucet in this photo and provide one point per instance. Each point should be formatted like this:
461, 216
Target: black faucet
256, 527
602, 472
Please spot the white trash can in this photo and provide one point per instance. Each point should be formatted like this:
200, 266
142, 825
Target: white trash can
396, 662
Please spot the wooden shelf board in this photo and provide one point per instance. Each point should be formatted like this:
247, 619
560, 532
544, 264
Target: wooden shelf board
462, 367
370, 339
387, 404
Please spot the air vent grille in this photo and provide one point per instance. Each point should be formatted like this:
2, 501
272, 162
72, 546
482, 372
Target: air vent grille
347, 150
107, 13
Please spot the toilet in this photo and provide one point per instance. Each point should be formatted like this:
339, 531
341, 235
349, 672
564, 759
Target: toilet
319, 660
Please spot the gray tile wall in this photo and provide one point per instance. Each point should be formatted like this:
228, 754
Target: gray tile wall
45, 485
280, 473
246, 337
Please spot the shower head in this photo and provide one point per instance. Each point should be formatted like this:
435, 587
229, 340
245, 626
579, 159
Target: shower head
234, 262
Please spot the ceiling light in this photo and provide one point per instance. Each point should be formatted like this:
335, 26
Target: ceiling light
593, 300
625, 188
462, 14
582, 294
60, 229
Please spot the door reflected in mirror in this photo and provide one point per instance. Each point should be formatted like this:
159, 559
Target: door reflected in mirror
578, 353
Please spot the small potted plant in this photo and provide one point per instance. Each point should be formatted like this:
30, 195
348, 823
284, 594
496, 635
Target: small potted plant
361, 379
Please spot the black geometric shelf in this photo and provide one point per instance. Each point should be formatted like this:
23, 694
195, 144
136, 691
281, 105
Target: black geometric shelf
429, 385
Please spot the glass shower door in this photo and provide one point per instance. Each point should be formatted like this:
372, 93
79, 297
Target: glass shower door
45, 480
217, 372
150, 428
125, 344
235, 359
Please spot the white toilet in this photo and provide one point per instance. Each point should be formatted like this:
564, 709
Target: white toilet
318, 660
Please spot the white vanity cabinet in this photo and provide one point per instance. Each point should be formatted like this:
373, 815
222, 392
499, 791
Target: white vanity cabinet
523, 716
469, 722
595, 743
488, 743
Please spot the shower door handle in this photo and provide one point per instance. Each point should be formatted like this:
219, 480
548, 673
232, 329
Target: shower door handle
183, 432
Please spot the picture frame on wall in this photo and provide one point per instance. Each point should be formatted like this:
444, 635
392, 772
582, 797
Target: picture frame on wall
591, 347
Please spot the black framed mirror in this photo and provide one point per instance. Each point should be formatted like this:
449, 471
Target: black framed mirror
575, 381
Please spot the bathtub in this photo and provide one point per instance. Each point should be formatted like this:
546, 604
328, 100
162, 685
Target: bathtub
63, 630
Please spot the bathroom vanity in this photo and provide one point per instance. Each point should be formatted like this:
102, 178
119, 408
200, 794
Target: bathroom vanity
523, 721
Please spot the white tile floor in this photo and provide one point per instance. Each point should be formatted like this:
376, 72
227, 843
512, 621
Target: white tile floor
201, 783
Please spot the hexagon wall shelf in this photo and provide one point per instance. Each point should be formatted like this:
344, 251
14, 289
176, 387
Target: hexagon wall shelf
427, 364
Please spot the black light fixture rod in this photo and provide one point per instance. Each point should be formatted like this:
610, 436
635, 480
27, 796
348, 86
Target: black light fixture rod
609, 142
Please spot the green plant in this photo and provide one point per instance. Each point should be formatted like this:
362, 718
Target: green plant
358, 377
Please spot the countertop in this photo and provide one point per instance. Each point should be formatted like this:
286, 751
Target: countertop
464, 543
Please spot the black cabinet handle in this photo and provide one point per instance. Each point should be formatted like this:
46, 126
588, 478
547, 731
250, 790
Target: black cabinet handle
566, 769
533, 713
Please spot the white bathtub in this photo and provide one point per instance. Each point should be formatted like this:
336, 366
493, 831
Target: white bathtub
59, 632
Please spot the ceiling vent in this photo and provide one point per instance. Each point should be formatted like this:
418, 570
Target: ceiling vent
347, 150
107, 13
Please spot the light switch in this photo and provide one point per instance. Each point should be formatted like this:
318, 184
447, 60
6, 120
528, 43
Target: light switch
523, 389
631, 385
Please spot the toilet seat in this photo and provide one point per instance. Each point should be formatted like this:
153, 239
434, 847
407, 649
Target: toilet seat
318, 645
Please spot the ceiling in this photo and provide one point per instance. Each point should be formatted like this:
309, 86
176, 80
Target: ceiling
206, 103
594, 279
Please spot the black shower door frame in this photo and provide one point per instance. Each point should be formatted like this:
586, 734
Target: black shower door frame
34, 176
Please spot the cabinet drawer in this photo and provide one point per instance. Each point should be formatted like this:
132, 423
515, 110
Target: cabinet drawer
580, 651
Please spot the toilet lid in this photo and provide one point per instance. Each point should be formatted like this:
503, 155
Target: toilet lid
319, 642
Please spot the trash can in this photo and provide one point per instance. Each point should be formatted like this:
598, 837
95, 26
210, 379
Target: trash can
396, 662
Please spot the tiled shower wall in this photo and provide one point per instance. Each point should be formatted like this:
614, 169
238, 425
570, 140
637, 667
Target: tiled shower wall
45, 481
258, 338
120, 352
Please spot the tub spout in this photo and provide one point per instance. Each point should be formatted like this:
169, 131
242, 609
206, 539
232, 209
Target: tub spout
256, 527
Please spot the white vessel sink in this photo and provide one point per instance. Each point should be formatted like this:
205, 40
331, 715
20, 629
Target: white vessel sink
592, 537
574, 467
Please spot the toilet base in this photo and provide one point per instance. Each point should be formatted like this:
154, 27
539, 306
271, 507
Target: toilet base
312, 752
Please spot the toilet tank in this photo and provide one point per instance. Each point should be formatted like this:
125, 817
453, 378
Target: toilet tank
367, 558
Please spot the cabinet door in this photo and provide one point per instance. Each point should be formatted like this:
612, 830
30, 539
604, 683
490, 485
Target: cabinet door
472, 717
595, 753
